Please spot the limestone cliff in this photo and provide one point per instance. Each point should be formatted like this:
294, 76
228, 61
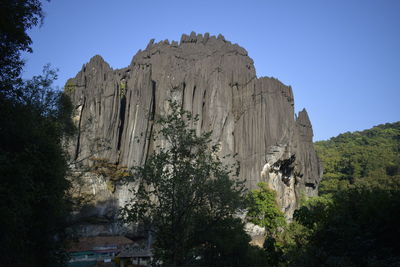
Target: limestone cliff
253, 117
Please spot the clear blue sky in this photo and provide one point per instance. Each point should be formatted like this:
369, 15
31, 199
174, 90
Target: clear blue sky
341, 57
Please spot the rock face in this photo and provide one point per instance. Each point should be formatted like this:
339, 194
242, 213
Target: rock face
253, 117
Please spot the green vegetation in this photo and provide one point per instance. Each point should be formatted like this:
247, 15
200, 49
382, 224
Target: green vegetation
16, 18
263, 209
69, 87
33, 190
186, 197
110, 171
122, 87
350, 157
357, 226
354, 221
34, 203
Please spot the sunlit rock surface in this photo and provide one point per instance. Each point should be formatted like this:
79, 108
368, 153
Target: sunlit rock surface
253, 117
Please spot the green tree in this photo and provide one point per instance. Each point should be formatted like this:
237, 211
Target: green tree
33, 190
354, 221
16, 17
225, 243
263, 209
357, 226
352, 157
34, 120
184, 193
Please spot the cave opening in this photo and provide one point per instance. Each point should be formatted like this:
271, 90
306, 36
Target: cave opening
286, 168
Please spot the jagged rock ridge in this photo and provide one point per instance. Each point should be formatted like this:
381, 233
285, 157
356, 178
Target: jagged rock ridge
253, 117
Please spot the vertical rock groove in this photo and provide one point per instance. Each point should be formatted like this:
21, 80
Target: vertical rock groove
78, 139
153, 100
150, 123
122, 109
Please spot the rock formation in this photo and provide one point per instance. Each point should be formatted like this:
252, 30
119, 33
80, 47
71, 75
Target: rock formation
253, 117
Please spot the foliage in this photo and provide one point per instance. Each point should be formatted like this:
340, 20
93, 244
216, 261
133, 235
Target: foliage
111, 171
354, 227
224, 243
16, 18
263, 209
33, 189
313, 211
34, 119
354, 221
283, 241
185, 194
353, 156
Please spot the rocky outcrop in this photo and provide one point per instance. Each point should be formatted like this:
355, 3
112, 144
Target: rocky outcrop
253, 117
293, 169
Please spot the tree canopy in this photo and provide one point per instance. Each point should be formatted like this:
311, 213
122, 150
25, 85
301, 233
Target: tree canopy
16, 17
353, 156
188, 198
263, 209
34, 202
354, 221
33, 189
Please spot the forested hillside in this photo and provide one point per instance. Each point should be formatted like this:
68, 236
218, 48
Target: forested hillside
365, 155
354, 221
